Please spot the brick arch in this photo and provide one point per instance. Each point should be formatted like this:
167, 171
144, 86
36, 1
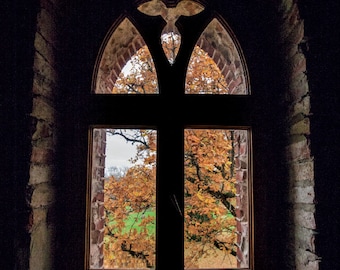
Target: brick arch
218, 42
122, 42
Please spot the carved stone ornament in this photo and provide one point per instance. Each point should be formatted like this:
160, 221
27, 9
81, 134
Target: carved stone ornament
170, 37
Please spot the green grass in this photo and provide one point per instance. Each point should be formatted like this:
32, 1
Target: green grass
134, 220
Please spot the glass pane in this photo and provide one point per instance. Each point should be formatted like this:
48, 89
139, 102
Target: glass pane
126, 65
123, 199
216, 198
204, 76
138, 75
216, 65
171, 41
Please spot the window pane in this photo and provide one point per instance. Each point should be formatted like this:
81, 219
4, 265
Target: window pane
216, 65
216, 198
126, 65
123, 199
138, 75
204, 76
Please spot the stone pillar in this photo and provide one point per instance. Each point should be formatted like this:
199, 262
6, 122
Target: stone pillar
241, 160
299, 157
44, 140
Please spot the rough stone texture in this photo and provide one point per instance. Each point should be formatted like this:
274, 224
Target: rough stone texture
43, 196
305, 218
303, 195
44, 136
241, 143
97, 198
41, 174
42, 246
302, 170
299, 157
44, 140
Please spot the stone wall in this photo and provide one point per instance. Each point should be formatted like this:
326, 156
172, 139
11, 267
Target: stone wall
97, 221
299, 156
44, 115
43, 173
242, 161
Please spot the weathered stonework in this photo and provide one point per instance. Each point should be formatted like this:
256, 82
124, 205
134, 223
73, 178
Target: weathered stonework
241, 157
45, 131
97, 199
44, 141
299, 158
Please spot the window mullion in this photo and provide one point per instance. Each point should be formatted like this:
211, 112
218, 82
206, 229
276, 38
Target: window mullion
170, 238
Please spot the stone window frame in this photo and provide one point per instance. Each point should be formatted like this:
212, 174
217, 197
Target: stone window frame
230, 69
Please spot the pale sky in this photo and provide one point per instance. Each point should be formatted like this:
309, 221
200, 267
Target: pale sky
118, 152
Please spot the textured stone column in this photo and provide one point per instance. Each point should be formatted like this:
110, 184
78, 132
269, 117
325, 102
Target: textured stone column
44, 139
299, 157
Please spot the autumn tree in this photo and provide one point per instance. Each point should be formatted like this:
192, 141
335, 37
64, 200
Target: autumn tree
203, 75
130, 204
140, 78
210, 187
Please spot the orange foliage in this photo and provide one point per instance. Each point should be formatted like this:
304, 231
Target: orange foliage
203, 75
140, 78
210, 219
129, 233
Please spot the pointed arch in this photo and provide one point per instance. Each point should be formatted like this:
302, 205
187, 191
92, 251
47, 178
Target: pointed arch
122, 43
220, 48
219, 43
217, 66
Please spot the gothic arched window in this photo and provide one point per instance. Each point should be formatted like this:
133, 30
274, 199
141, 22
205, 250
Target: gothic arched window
171, 81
